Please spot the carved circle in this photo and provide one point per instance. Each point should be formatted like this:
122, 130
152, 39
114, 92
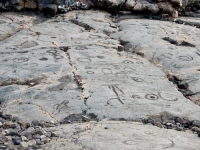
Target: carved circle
33, 65
167, 97
20, 60
186, 58
52, 51
179, 65
152, 97
84, 59
90, 72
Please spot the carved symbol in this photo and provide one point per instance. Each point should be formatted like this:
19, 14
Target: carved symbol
59, 107
33, 65
84, 59
179, 65
90, 72
128, 62
114, 88
55, 55
167, 96
52, 51
43, 59
109, 102
135, 96
20, 60
107, 71
151, 97
186, 58
137, 79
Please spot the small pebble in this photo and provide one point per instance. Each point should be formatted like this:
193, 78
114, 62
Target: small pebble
30, 130
168, 124
16, 140
24, 138
3, 147
36, 136
38, 142
35, 123
24, 144
42, 137
31, 142
53, 134
158, 124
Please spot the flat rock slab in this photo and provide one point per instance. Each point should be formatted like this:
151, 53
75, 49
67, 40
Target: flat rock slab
78, 68
11, 23
195, 22
122, 135
155, 41
111, 80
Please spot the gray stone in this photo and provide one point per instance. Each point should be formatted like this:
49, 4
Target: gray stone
38, 141
50, 9
24, 144
31, 143
196, 123
158, 124
16, 140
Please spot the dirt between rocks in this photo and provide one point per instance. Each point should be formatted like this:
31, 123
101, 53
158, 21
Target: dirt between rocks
91, 80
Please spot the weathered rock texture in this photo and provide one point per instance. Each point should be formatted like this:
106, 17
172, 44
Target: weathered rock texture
81, 81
